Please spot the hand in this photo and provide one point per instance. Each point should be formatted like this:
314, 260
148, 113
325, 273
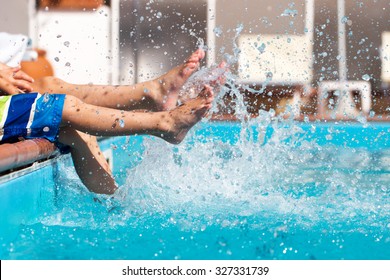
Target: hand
13, 80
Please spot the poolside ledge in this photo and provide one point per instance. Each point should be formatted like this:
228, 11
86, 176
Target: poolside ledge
25, 152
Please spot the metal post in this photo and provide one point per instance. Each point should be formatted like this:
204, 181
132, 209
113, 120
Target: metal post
309, 19
211, 20
32, 24
342, 40
115, 14
309, 28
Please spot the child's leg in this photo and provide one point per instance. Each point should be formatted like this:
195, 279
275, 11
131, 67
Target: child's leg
89, 162
156, 95
171, 126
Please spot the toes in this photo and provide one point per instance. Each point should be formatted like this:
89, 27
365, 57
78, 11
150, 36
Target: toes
222, 65
190, 67
203, 93
193, 62
207, 92
193, 58
197, 56
201, 53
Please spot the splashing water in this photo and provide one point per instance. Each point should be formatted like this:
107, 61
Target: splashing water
205, 76
303, 182
289, 13
287, 178
239, 193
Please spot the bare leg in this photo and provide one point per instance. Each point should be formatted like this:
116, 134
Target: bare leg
156, 95
89, 162
171, 126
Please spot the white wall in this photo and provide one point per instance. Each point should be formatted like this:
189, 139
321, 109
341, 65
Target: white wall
14, 16
78, 44
385, 57
82, 46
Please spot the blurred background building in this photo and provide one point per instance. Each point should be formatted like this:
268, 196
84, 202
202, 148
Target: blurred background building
283, 43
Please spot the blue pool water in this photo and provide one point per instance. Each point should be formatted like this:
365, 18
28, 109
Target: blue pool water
263, 190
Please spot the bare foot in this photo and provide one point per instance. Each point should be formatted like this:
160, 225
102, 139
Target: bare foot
171, 82
214, 76
184, 117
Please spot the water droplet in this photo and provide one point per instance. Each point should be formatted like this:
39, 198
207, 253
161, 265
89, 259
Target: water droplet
289, 13
324, 54
262, 47
239, 28
366, 77
159, 15
269, 75
67, 64
66, 43
217, 31
344, 19
121, 123
46, 97
46, 129
56, 59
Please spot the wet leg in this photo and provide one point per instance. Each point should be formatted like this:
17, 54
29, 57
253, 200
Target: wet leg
171, 126
156, 95
89, 161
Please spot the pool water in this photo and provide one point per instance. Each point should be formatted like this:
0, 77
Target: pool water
259, 190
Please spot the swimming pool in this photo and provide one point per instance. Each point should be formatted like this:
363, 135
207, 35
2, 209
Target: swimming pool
259, 190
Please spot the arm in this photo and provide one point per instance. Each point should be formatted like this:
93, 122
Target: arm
13, 80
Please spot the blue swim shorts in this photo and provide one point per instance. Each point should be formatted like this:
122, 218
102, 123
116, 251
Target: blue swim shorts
30, 115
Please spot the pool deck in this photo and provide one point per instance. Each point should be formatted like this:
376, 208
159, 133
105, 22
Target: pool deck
13, 156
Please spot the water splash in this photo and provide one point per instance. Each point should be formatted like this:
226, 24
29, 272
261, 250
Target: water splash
208, 180
279, 180
205, 76
289, 13
344, 19
243, 178
222, 181
218, 31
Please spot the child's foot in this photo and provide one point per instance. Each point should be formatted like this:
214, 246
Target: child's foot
213, 76
171, 82
184, 117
